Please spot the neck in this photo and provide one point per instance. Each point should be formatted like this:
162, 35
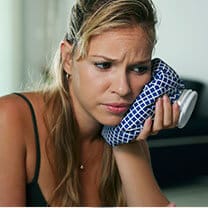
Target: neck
89, 128
91, 153
89, 132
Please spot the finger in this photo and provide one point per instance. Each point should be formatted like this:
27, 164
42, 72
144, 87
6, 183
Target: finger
176, 114
158, 119
167, 108
146, 130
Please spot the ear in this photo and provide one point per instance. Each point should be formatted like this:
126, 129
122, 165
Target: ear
66, 48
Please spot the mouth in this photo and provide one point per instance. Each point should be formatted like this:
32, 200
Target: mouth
117, 108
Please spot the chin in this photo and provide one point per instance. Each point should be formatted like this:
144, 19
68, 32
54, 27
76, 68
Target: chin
111, 121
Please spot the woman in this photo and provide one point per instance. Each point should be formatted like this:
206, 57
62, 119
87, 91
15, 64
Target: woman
51, 150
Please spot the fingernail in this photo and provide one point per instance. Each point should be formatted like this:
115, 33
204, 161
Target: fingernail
165, 97
158, 101
176, 105
149, 121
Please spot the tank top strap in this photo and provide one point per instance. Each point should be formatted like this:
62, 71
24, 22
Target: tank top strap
37, 143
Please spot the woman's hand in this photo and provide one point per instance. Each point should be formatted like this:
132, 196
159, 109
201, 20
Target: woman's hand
133, 159
166, 116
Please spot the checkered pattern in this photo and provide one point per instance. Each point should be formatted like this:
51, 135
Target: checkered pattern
165, 81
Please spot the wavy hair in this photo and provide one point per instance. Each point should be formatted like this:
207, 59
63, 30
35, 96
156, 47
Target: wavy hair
87, 18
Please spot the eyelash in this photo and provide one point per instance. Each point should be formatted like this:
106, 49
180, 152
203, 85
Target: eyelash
139, 69
136, 68
103, 65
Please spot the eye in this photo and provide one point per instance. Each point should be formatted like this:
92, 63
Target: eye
139, 69
103, 65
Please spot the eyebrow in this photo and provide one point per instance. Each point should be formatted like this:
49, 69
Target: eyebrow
143, 62
104, 57
113, 60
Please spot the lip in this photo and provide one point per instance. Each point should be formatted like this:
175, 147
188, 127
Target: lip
117, 108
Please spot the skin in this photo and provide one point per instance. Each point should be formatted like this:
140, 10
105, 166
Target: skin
94, 86
91, 88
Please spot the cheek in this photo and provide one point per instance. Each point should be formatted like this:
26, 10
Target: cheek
75, 82
139, 82
85, 81
80, 80
148, 77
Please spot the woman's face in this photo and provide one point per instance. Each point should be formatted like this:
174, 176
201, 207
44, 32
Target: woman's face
105, 83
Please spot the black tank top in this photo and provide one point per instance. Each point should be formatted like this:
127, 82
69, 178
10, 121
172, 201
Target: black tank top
34, 196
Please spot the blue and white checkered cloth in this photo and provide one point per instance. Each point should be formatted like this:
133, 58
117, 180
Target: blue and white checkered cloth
165, 81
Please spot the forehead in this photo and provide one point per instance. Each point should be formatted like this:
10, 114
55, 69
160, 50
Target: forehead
119, 40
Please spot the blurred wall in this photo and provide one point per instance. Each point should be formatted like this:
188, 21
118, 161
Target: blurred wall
45, 24
11, 52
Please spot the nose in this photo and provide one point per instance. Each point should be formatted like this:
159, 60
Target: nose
120, 84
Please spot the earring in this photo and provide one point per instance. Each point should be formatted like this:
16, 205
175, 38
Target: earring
67, 76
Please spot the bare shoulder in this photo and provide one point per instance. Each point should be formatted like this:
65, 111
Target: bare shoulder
15, 115
14, 129
12, 113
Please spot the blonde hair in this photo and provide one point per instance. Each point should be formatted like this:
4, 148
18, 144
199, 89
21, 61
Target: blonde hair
88, 18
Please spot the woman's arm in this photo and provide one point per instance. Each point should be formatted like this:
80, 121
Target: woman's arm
139, 184
133, 160
12, 155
